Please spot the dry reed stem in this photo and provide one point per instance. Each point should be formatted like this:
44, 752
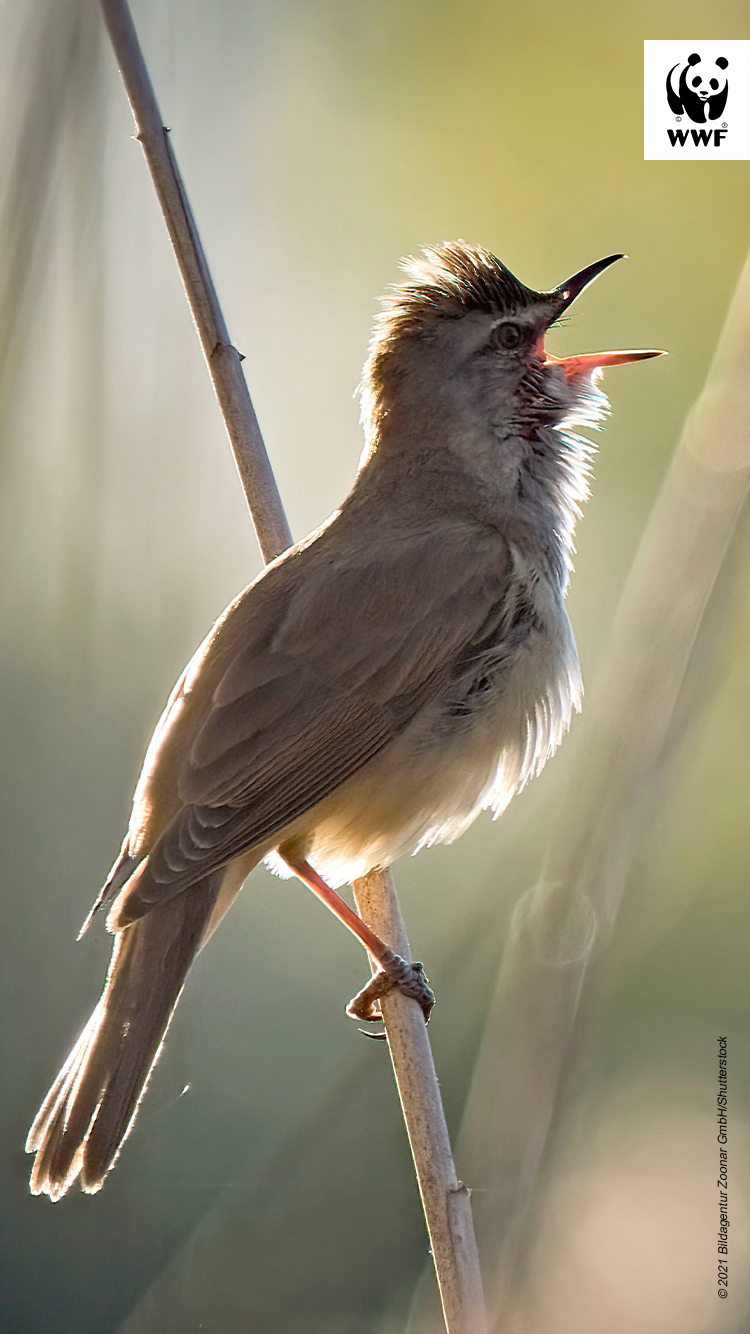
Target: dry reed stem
223, 360
445, 1200
446, 1204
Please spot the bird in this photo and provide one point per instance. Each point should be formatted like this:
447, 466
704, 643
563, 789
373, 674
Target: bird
406, 666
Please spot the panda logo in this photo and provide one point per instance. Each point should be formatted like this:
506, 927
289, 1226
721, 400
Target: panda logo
698, 89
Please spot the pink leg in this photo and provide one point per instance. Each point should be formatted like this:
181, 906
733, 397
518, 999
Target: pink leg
393, 971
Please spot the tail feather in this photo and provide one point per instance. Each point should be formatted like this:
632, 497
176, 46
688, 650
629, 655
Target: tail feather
91, 1106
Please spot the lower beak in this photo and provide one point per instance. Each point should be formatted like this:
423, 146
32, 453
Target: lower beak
589, 362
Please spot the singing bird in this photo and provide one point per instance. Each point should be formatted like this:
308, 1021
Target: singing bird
406, 666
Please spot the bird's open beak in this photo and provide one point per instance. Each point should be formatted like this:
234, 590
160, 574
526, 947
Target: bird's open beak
589, 362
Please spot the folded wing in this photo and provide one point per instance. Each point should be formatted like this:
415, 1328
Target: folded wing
307, 676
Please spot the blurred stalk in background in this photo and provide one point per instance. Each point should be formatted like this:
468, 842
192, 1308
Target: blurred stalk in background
629, 734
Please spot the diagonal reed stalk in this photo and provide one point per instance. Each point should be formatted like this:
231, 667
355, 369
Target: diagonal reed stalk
446, 1203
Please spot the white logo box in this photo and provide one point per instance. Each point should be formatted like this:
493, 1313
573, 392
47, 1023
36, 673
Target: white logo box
673, 137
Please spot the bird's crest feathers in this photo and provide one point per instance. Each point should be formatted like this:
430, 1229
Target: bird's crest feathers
442, 282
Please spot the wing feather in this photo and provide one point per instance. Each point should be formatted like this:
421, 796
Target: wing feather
311, 672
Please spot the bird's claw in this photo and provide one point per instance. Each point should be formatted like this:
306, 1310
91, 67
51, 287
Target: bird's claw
408, 978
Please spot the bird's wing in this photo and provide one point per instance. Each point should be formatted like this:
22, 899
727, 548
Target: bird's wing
311, 672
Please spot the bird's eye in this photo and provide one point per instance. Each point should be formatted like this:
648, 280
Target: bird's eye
507, 336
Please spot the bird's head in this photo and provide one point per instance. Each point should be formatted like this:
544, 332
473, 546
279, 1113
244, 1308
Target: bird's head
462, 341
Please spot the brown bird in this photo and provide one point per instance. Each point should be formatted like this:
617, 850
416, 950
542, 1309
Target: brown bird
378, 685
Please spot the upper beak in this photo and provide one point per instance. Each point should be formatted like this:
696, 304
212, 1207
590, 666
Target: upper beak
574, 286
590, 361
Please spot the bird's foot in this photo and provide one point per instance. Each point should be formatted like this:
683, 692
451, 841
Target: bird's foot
408, 978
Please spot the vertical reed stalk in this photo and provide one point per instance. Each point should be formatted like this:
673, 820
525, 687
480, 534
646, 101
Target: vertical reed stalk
445, 1202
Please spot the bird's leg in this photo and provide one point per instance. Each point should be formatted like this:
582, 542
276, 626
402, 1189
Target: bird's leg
393, 971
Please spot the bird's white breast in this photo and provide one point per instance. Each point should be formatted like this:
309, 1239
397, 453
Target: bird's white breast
431, 782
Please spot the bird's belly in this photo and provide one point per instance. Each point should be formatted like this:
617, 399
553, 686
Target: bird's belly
431, 783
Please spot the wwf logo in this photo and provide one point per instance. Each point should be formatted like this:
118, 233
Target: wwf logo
698, 88
690, 112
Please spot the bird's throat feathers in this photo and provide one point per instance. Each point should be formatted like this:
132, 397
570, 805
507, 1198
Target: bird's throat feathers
568, 480
520, 464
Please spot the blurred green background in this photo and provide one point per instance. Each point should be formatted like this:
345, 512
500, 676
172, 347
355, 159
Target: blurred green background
320, 141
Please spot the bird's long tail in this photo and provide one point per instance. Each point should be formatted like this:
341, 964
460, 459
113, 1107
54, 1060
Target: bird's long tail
91, 1106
